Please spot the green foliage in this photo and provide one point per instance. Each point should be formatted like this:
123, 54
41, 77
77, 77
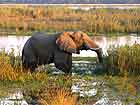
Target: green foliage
84, 59
47, 87
124, 59
137, 102
126, 87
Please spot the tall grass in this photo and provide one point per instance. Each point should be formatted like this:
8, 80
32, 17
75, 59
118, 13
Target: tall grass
125, 59
12, 70
36, 84
55, 90
52, 19
57, 96
6, 70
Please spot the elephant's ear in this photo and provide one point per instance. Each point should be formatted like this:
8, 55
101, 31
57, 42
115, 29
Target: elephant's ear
66, 43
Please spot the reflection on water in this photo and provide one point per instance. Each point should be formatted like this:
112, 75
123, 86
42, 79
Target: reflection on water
17, 42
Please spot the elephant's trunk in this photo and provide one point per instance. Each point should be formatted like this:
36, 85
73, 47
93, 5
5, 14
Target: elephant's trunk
99, 53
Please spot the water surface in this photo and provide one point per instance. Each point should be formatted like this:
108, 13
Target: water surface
17, 43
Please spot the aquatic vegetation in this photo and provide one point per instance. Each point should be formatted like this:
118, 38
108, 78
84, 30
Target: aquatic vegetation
22, 20
56, 91
126, 87
124, 59
51, 89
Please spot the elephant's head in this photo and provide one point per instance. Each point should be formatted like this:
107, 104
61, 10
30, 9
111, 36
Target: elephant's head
73, 42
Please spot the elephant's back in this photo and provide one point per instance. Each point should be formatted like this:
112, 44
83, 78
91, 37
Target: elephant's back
43, 43
43, 38
39, 36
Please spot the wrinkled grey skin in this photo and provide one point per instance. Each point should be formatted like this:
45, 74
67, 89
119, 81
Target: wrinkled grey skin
42, 49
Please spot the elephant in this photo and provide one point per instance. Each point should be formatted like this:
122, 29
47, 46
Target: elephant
42, 48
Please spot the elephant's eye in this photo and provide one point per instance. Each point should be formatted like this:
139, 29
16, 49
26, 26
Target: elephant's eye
72, 37
82, 36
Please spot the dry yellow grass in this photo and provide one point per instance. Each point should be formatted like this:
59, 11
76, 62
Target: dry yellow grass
47, 96
8, 72
60, 19
57, 96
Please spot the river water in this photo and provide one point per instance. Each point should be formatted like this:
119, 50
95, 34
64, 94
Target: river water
17, 42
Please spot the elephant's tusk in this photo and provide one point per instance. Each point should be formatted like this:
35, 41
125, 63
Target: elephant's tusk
94, 49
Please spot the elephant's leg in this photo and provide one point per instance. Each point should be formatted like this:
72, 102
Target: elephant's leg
29, 63
63, 61
29, 66
33, 66
69, 62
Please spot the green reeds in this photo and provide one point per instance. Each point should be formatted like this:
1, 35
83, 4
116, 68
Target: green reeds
124, 59
25, 19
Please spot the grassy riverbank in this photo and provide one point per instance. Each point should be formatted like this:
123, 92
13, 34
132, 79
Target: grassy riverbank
23, 20
121, 79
